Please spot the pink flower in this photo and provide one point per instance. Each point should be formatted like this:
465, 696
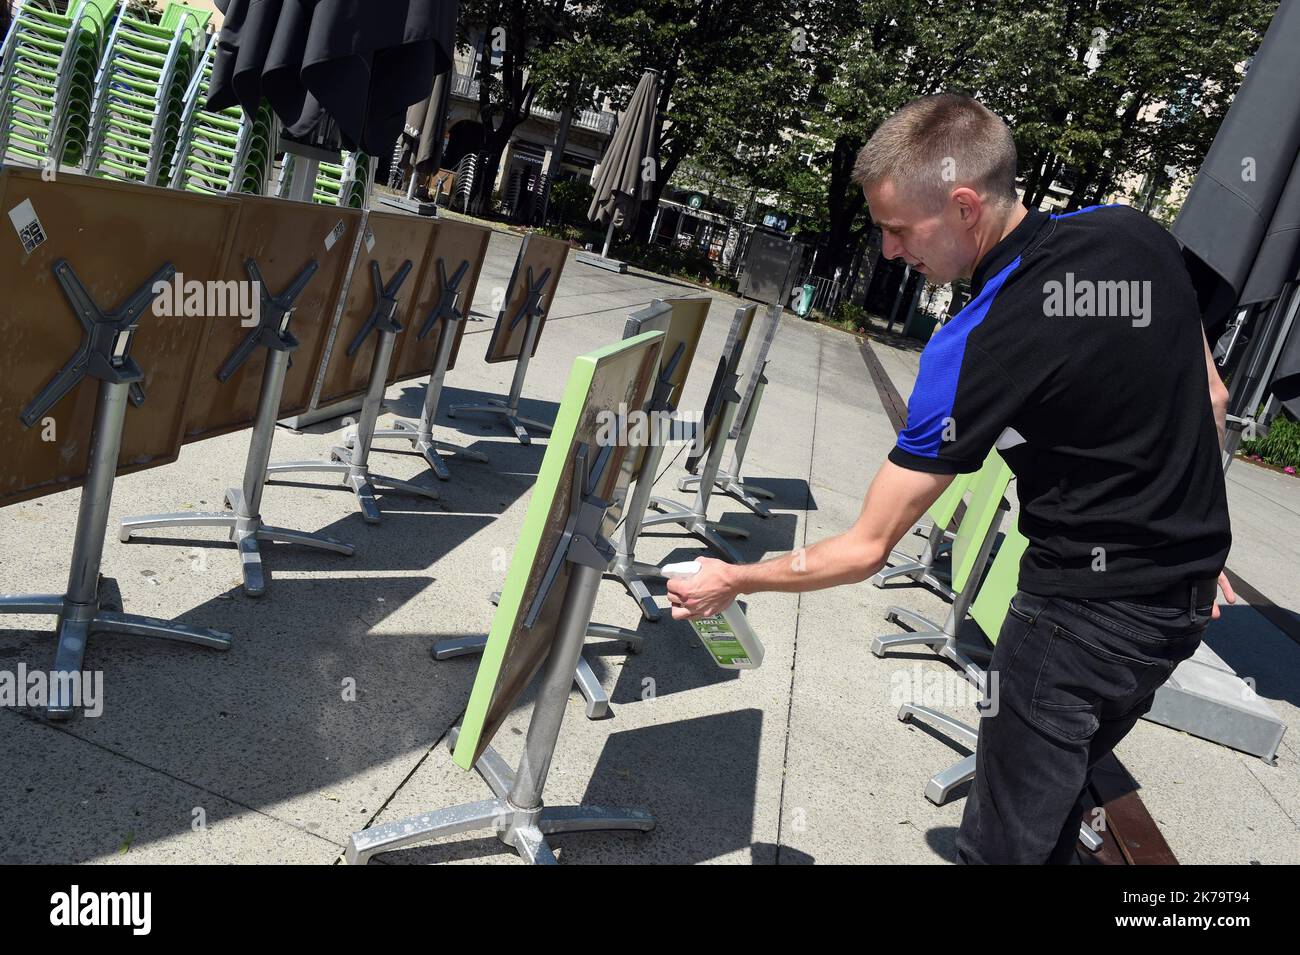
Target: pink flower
1288, 470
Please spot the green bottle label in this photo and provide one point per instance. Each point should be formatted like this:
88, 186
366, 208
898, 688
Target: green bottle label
720, 640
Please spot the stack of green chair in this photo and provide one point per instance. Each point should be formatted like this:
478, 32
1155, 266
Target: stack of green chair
260, 153
970, 554
140, 92
47, 78
337, 184
214, 148
356, 179
921, 568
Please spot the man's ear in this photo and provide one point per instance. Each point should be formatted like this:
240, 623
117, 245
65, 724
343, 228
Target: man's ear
969, 205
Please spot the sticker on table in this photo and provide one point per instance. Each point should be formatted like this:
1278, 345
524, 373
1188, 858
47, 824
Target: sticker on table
335, 234
27, 225
370, 242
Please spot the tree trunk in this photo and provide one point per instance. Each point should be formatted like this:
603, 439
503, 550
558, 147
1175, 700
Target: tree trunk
1050, 169
1034, 177
844, 201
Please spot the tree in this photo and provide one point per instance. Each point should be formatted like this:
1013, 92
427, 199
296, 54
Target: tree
520, 32
705, 52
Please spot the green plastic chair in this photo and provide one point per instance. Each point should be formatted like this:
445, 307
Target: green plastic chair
970, 553
989, 609
921, 569
337, 184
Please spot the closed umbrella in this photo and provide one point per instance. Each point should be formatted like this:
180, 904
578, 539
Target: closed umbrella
421, 144
629, 166
1240, 223
361, 62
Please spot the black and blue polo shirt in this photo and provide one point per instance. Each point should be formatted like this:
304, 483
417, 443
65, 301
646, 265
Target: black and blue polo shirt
1080, 358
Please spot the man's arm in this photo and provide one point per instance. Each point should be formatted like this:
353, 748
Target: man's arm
896, 500
1218, 392
1219, 402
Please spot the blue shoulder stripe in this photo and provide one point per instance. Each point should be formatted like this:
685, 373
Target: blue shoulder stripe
930, 405
1079, 212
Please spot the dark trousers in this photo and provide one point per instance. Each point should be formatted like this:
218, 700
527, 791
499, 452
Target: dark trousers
1072, 677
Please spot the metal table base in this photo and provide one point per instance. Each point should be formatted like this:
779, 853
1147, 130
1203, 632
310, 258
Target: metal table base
584, 676
80, 610
524, 830
940, 786
243, 522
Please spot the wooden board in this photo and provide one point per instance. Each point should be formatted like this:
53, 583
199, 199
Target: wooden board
115, 236
282, 237
538, 253
396, 238
454, 243
620, 374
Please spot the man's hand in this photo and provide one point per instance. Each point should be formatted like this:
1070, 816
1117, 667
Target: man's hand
895, 501
1228, 593
703, 594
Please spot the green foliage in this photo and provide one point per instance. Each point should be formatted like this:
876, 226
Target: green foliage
570, 200
1095, 91
847, 318
1282, 446
692, 263
852, 314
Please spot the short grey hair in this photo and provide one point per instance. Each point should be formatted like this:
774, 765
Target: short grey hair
935, 144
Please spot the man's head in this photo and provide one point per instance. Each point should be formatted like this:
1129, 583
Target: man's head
940, 178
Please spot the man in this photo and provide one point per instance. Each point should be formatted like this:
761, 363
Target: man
1081, 358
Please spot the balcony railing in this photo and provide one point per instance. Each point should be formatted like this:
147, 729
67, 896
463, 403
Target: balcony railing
467, 87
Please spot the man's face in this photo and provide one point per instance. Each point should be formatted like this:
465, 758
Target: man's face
940, 245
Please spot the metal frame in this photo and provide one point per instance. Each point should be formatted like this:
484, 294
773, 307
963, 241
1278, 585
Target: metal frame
943, 639
939, 786
105, 356
729, 480
531, 312
1258, 364
622, 567
625, 568
920, 568
353, 463
516, 814
695, 519
243, 521
420, 433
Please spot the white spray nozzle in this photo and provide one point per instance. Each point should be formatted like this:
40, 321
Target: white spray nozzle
686, 568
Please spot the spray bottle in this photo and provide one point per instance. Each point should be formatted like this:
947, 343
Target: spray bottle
728, 637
